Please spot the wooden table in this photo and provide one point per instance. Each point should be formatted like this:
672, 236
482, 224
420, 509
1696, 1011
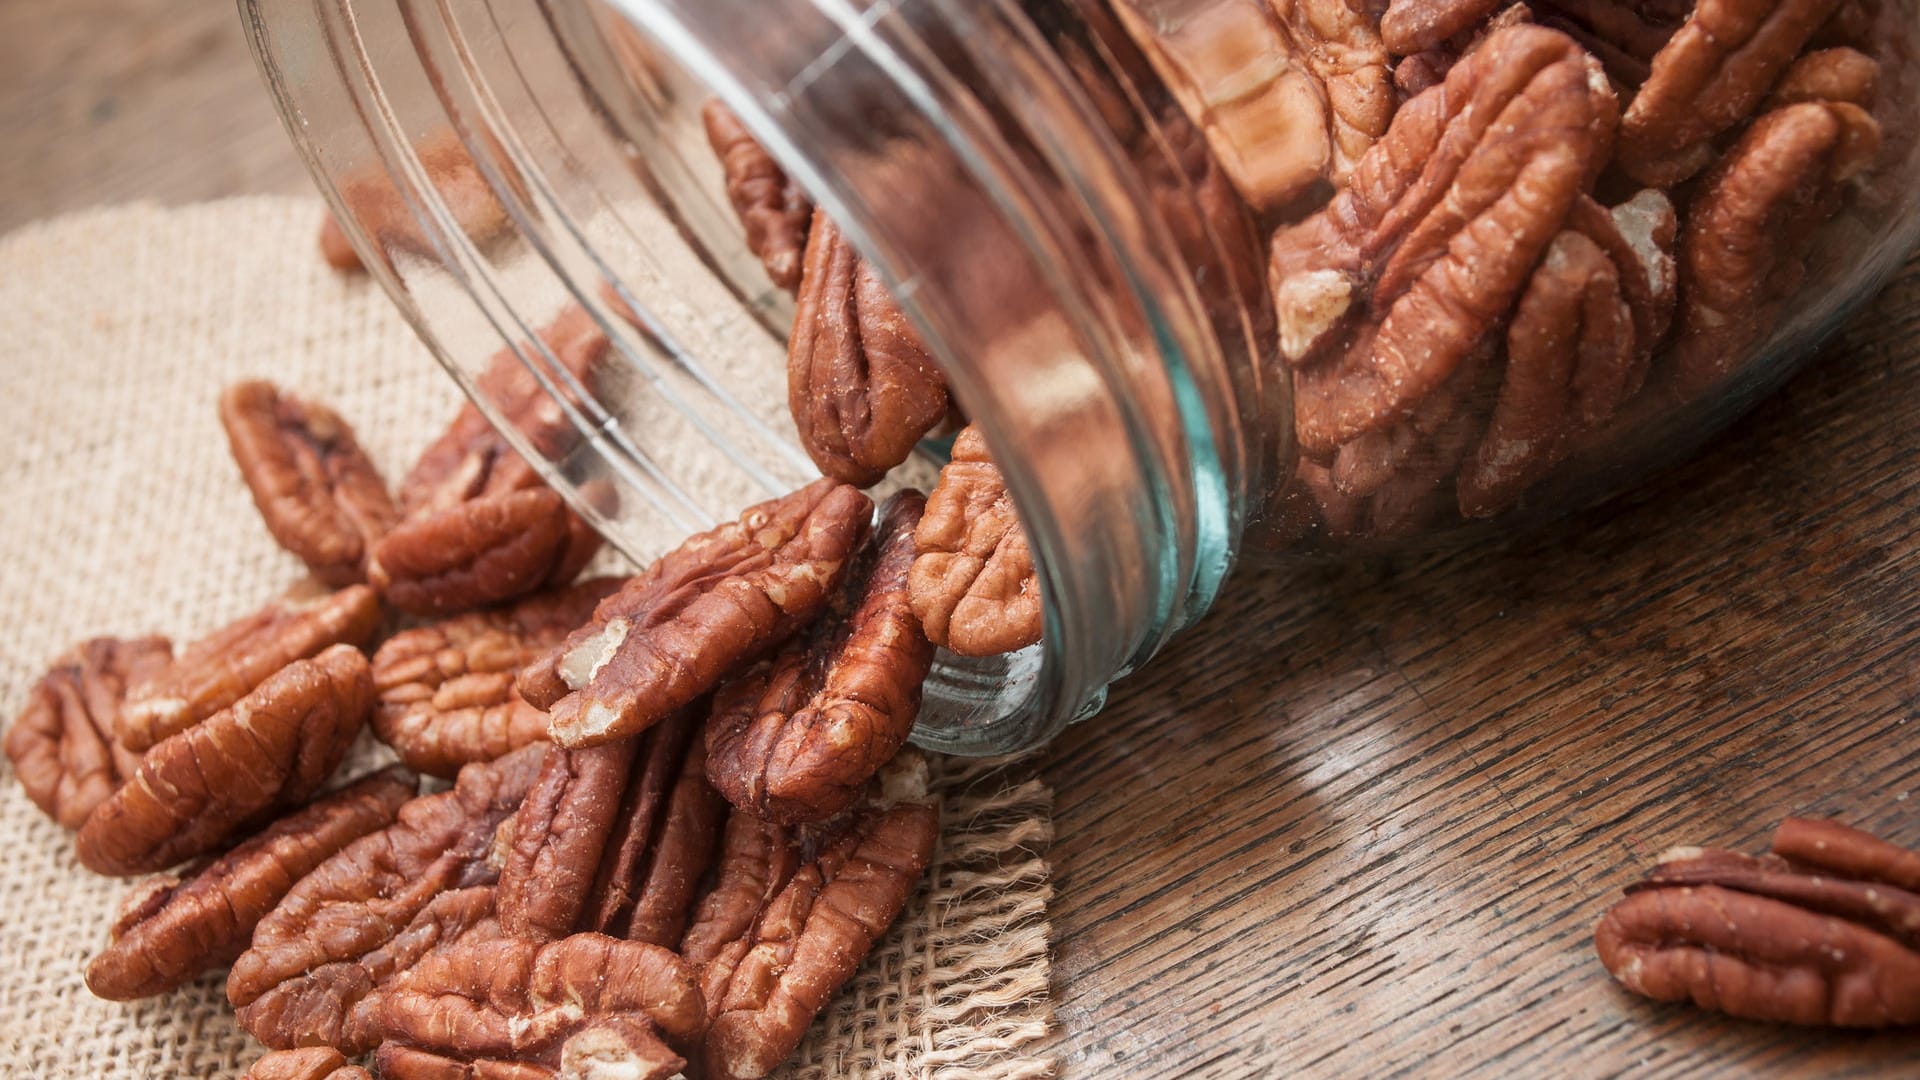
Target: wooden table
1362, 820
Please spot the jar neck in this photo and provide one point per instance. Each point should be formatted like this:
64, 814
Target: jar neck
1017, 178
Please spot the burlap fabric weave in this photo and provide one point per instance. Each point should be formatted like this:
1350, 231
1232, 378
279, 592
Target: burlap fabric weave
123, 515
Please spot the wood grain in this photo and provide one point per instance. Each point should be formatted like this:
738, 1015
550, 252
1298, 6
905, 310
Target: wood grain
1362, 820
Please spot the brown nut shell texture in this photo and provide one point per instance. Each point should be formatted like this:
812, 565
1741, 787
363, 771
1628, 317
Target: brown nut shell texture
219, 669
446, 689
771, 207
860, 386
1825, 930
586, 1005
318, 961
722, 598
973, 585
306, 1063
799, 740
1383, 293
168, 935
764, 988
271, 749
62, 744
318, 492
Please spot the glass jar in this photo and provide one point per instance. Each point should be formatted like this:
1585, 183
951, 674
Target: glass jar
1212, 277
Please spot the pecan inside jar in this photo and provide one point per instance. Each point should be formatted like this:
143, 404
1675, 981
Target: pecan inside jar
973, 585
62, 744
772, 208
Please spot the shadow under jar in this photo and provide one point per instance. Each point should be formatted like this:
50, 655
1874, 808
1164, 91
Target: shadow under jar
1215, 279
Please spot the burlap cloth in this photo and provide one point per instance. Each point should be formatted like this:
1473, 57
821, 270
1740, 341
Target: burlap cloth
124, 515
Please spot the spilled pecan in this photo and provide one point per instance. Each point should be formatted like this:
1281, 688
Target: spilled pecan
722, 598
756, 860
1752, 226
1826, 930
860, 385
318, 492
799, 739
446, 689
1709, 77
487, 549
586, 1005
170, 934
306, 1063
271, 749
771, 207
662, 839
763, 990
973, 585
62, 744
318, 961
217, 670
558, 834
1383, 293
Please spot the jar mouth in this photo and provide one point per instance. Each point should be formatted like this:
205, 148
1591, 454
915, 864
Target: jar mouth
985, 192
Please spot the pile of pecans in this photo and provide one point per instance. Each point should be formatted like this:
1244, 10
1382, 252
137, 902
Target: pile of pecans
681, 811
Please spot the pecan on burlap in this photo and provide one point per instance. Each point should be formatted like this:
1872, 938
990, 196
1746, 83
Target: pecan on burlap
1824, 930
860, 386
1751, 228
676, 630
755, 861
318, 961
217, 670
583, 1006
485, 550
271, 749
973, 585
172, 931
306, 1063
1383, 293
800, 738
317, 491
1708, 78
771, 207
446, 689
62, 744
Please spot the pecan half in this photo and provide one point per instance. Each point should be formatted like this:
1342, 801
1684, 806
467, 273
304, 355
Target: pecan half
306, 1063
1340, 43
764, 990
1838, 74
757, 858
446, 689
318, 492
799, 739
272, 748
1384, 292
1416, 72
1824, 931
662, 839
168, 935
1412, 26
771, 207
973, 585
318, 961
1708, 78
1752, 226
861, 387
219, 669
722, 598
389, 218
557, 837
485, 550
586, 1005
62, 744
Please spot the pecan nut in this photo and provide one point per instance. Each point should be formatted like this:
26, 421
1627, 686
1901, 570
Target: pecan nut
318, 961
168, 935
487, 549
388, 217
1340, 44
62, 744
1383, 293
722, 598
973, 585
1711, 75
219, 669
1408, 27
446, 689
1837, 74
662, 840
1752, 226
757, 858
763, 990
306, 1063
772, 208
799, 740
861, 387
1625, 34
550, 1008
272, 748
1826, 930
557, 837
318, 492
